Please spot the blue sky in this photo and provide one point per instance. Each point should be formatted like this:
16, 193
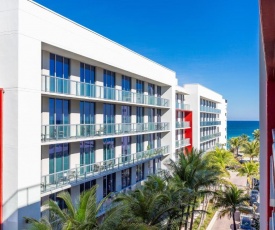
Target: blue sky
214, 43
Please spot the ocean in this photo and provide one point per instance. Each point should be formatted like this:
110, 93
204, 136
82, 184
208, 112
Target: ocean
237, 128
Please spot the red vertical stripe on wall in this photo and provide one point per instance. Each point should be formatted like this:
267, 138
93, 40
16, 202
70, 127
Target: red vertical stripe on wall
270, 126
188, 132
1, 157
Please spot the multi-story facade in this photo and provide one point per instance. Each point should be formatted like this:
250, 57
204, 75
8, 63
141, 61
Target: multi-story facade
267, 115
209, 117
79, 109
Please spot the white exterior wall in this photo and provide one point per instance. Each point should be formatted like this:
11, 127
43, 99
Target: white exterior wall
195, 93
28, 33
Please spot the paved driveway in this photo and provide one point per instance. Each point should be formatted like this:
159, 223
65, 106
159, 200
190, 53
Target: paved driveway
225, 223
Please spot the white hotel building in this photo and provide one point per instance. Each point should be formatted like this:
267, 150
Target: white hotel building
79, 109
210, 112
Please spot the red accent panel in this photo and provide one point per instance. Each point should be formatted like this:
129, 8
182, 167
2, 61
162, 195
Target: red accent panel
270, 126
1, 157
188, 132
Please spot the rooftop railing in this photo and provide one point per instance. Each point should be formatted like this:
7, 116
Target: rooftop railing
182, 125
86, 172
210, 123
182, 143
182, 106
211, 136
61, 132
69, 87
209, 109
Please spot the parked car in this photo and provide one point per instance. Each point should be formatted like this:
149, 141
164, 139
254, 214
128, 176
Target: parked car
254, 192
246, 223
253, 199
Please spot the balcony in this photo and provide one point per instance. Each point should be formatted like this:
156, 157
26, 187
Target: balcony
82, 131
208, 109
210, 123
209, 137
182, 125
182, 106
84, 173
75, 88
182, 143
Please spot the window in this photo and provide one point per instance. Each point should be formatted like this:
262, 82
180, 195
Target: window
108, 148
140, 143
109, 84
109, 184
126, 114
59, 72
140, 172
126, 88
87, 117
151, 89
126, 148
140, 86
158, 140
109, 118
140, 115
58, 158
87, 155
59, 115
126, 83
126, 178
87, 185
151, 141
87, 79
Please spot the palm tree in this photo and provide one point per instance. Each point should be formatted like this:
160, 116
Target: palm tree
235, 143
231, 200
249, 169
83, 215
256, 135
222, 159
193, 170
252, 149
245, 138
143, 209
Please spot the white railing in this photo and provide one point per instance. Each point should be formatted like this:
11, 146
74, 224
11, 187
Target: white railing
86, 172
57, 85
68, 131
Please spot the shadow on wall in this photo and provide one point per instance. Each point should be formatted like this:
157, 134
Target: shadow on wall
22, 203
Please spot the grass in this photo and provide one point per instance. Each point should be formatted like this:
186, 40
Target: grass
209, 215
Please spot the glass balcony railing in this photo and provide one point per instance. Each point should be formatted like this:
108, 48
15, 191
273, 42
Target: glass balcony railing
70, 87
209, 109
182, 143
182, 106
61, 132
183, 124
210, 123
86, 172
211, 136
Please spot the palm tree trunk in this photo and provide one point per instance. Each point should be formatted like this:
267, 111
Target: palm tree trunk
187, 217
192, 215
234, 222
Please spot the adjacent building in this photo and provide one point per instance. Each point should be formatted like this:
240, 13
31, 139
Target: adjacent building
209, 116
267, 114
78, 109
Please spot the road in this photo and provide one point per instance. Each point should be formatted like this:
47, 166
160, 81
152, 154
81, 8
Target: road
225, 223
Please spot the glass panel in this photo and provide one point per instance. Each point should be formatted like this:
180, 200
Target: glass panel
109, 83
108, 148
52, 72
